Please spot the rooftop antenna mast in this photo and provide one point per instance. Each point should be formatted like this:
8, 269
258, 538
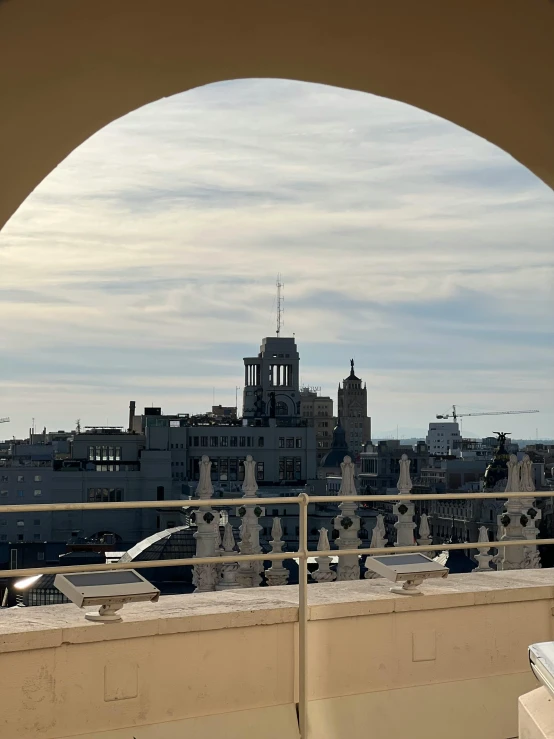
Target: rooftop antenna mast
280, 300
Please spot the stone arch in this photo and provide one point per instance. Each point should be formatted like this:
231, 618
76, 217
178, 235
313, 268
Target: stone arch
72, 68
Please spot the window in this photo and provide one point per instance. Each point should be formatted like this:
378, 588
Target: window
249, 441
233, 441
242, 441
290, 443
203, 441
298, 443
260, 471
105, 495
281, 442
21, 478
40, 555
195, 440
36, 493
233, 467
172, 446
21, 522
38, 478
215, 468
214, 440
260, 440
3, 478
36, 522
20, 537
160, 493
224, 441
3, 493
20, 493
275, 512
36, 537
224, 469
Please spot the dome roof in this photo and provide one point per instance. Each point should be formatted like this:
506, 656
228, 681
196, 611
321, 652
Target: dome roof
339, 448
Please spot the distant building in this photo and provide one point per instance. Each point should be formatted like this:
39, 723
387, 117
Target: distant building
224, 411
379, 463
271, 380
444, 438
352, 412
317, 410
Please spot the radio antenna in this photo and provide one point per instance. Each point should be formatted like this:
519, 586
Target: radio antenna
280, 301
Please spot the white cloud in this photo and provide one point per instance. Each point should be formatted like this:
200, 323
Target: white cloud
144, 265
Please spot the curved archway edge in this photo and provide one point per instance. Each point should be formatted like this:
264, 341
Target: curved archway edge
69, 68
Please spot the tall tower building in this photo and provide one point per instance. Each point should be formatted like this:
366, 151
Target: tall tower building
271, 380
352, 410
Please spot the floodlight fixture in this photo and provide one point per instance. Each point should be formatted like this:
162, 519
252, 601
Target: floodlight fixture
411, 569
109, 589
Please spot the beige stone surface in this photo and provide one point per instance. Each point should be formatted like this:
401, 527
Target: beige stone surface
70, 68
536, 715
190, 660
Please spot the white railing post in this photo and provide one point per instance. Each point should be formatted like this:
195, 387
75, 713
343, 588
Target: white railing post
348, 525
511, 558
484, 556
228, 579
424, 532
404, 509
303, 616
250, 572
205, 576
530, 515
277, 574
323, 573
378, 541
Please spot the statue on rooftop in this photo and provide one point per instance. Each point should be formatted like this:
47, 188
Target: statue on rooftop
205, 489
404, 481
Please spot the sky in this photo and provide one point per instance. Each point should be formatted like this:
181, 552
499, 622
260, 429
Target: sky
144, 266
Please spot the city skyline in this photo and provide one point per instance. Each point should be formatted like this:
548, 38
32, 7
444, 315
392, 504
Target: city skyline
144, 266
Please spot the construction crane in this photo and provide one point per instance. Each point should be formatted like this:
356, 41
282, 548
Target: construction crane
456, 415
4, 420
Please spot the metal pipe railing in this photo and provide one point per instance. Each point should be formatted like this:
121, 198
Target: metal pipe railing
303, 500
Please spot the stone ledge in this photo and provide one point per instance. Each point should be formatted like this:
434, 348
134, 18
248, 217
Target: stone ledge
50, 626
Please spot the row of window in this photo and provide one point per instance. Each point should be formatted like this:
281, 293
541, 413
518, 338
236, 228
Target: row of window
20, 522
20, 493
21, 478
225, 469
20, 537
213, 441
104, 453
105, 495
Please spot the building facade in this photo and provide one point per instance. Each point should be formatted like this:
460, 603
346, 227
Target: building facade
317, 411
352, 411
444, 438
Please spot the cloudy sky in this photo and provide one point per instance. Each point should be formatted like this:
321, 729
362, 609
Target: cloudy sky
144, 266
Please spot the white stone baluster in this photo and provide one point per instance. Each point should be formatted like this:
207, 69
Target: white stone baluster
530, 515
425, 534
277, 574
228, 579
378, 541
348, 525
323, 573
250, 515
205, 575
511, 558
246, 575
404, 509
484, 556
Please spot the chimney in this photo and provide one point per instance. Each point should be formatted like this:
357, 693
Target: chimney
131, 415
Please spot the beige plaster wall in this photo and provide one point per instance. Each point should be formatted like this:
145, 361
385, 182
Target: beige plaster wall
223, 664
69, 68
